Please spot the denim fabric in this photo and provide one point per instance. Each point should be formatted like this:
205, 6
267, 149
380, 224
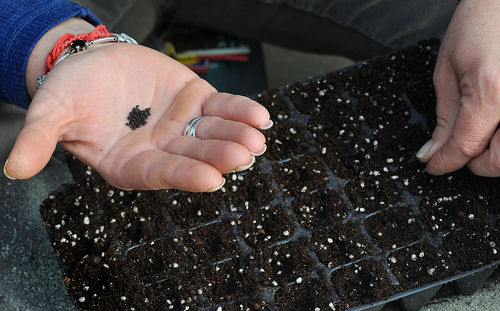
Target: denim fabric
353, 28
393, 23
136, 18
23, 24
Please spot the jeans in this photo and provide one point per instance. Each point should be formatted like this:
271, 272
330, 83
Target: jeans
357, 29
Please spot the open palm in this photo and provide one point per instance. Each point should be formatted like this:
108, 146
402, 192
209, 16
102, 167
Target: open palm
84, 104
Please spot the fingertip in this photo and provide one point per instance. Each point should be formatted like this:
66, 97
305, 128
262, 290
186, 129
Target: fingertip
424, 154
258, 116
200, 177
245, 167
5, 171
257, 154
216, 188
268, 126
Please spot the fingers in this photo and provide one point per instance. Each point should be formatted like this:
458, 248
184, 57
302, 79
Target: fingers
156, 169
237, 108
225, 156
476, 121
448, 103
32, 150
215, 128
473, 129
488, 163
185, 106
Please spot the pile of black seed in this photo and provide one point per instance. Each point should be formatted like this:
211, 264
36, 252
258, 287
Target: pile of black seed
137, 117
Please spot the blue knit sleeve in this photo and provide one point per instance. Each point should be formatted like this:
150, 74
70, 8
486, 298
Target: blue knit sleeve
23, 23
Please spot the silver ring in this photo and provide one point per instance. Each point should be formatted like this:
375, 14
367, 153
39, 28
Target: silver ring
190, 129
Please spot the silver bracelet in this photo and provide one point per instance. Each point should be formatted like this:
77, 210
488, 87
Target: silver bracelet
82, 45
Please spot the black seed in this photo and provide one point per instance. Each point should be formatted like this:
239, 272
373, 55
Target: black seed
137, 117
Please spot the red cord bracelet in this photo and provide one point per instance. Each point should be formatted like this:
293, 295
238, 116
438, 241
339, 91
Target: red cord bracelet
78, 43
66, 40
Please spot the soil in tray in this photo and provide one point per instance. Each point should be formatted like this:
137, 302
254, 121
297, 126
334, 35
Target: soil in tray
308, 294
286, 140
319, 209
483, 240
183, 292
228, 281
274, 228
301, 174
373, 192
211, 243
309, 97
393, 228
264, 227
418, 265
283, 264
247, 190
194, 209
338, 245
275, 104
444, 211
360, 283
156, 260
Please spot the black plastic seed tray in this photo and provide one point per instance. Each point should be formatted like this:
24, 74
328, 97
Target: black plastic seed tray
337, 215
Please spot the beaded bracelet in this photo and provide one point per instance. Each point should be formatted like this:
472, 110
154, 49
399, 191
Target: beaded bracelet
78, 43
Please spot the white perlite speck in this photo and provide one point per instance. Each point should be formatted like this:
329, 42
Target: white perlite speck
299, 280
86, 220
81, 299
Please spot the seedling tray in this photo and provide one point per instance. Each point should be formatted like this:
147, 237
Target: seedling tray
337, 215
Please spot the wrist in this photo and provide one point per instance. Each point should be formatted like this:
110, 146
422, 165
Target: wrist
36, 62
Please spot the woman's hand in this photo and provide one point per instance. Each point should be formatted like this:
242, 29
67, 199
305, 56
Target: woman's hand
467, 82
84, 103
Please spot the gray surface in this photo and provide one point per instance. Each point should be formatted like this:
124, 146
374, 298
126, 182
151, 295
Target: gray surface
30, 276
285, 66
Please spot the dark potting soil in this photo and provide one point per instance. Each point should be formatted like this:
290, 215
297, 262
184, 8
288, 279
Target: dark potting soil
309, 294
361, 283
338, 245
264, 227
283, 264
418, 265
393, 228
319, 209
337, 214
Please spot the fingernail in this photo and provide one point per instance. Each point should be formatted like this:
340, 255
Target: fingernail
5, 171
422, 154
260, 153
218, 187
245, 167
267, 126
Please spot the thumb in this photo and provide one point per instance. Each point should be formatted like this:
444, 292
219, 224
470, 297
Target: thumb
32, 150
